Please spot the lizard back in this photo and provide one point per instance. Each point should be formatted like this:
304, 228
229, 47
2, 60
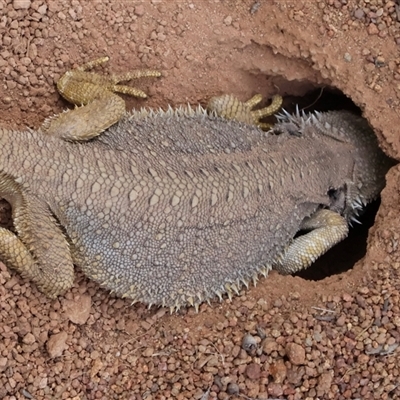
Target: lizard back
181, 206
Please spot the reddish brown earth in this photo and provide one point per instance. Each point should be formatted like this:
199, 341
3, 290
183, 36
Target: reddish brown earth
287, 338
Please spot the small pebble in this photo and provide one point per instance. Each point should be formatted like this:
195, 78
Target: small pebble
359, 13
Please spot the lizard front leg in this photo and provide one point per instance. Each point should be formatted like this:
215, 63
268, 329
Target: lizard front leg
229, 107
327, 228
98, 105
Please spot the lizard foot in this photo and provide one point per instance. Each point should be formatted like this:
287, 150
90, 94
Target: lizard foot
229, 107
80, 87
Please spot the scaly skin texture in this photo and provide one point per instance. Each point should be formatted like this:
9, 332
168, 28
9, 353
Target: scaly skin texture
176, 207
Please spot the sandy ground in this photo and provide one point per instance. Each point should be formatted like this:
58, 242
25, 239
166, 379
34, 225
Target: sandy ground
287, 338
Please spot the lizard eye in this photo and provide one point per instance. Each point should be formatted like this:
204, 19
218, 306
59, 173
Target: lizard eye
288, 127
293, 130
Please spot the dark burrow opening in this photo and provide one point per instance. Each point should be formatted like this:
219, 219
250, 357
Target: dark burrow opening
344, 255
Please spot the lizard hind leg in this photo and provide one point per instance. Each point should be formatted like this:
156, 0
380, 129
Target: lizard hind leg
40, 252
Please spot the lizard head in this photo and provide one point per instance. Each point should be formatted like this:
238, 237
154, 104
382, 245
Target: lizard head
370, 163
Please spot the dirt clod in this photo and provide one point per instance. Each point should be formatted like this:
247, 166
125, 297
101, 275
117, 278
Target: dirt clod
295, 353
57, 344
